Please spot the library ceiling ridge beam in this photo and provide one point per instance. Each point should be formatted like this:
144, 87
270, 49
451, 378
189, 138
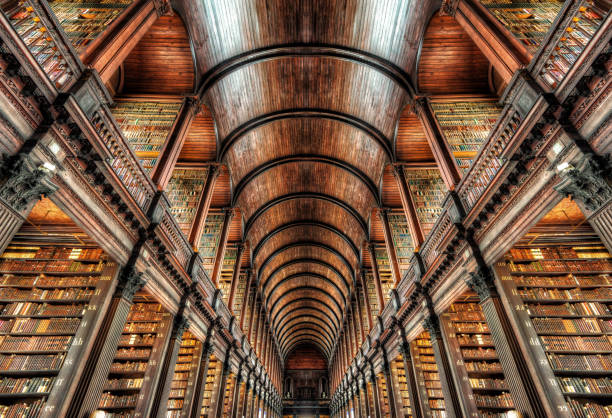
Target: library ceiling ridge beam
371, 131
313, 223
369, 183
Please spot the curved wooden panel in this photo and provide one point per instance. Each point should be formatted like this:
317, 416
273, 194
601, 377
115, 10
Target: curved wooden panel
306, 327
308, 292
313, 303
304, 312
316, 83
306, 136
306, 280
297, 345
389, 29
306, 177
289, 326
309, 337
306, 233
305, 250
450, 61
298, 210
161, 63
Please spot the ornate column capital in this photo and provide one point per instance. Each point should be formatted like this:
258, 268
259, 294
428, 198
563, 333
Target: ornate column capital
129, 283
482, 284
24, 181
432, 324
587, 181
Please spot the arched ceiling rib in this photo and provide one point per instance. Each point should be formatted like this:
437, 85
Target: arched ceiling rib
306, 108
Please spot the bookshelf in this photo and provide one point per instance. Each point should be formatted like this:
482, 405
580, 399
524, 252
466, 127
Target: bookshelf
227, 270
185, 372
184, 191
428, 192
402, 240
363, 295
401, 386
561, 288
466, 126
478, 369
210, 240
227, 397
240, 294
528, 20
577, 34
84, 20
211, 386
371, 294
384, 270
385, 408
49, 300
427, 377
132, 375
145, 125
370, 388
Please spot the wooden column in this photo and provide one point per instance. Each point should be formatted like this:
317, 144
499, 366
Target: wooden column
113, 46
389, 382
160, 397
254, 312
357, 402
207, 350
379, 292
359, 315
245, 398
352, 319
527, 399
505, 53
235, 277
384, 218
236, 394
364, 288
174, 142
364, 387
97, 366
439, 146
413, 391
253, 397
449, 389
375, 394
229, 214
245, 302
199, 220
223, 383
409, 208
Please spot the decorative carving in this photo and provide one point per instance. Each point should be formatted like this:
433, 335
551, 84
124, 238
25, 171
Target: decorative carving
25, 182
130, 282
179, 326
448, 7
587, 182
432, 324
481, 284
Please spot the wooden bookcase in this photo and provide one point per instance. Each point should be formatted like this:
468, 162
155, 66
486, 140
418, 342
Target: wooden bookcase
384, 270
528, 20
51, 296
479, 373
428, 192
371, 294
228, 395
134, 373
560, 287
385, 408
466, 125
184, 191
84, 20
145, 124
402, 240
401, 386
210, 241
212, 386
427, 377
185, 373
227, 271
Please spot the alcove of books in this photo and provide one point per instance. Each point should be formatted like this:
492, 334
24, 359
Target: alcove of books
557, 283
54, 286
429, 387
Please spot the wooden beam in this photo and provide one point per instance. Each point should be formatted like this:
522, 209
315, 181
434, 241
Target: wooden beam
229, 214
384, 218
199, 220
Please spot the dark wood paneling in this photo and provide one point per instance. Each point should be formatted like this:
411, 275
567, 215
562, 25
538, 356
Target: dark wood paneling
411, 143
200, 144
162, 60
305, 358
450, 62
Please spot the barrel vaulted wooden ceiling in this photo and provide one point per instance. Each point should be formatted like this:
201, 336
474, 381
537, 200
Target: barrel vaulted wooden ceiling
310, 104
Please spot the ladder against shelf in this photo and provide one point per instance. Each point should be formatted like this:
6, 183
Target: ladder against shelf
145, 124
466, 124
560, 285
427, 377
478, 368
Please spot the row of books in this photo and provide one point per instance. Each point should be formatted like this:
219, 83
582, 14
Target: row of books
470, 327
577, 294
538, 253
49, 266
144, 316
124, 383
136, 339
46, 281
561, 325
475, 339
570, 309
586, 385
503, 400
126, 353
484, 353
555, 342
146, 327
483, 366
479, 383
35, 326
109, 400
22, 409
14, 294
561, 265
586, 362
41, 309
26, 385
569, 280
581, 409
20, 362
34, 343
36, 252
130, 366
